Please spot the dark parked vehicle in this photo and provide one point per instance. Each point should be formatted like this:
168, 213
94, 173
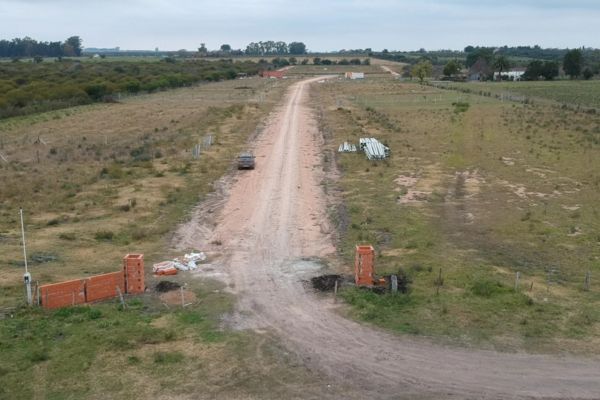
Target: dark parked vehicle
246, 160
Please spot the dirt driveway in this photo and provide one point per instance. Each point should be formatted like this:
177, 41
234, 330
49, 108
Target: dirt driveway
271, 220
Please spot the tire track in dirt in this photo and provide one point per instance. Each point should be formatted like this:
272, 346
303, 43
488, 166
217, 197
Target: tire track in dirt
270, 223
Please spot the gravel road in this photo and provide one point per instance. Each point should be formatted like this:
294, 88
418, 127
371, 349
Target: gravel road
271, 221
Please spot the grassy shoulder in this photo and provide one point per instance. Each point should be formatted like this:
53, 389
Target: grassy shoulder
143, 350
480, 190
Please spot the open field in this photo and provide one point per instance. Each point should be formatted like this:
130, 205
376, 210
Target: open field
475, 190
318, 70
478, 189
572, 93
104, 180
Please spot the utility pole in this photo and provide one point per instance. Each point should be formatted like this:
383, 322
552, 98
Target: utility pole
27, 276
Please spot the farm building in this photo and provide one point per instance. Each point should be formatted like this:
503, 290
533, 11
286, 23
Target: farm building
480, 71
355, 75
272, 74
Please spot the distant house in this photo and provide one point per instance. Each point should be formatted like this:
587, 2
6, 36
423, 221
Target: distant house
272, 74
355, 75
480, 71
514, 74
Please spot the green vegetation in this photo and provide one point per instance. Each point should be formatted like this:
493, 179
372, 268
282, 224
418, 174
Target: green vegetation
585, 94
573, 63
422, 70
27, 88
452, 68
108, 351
28, 47
475, 190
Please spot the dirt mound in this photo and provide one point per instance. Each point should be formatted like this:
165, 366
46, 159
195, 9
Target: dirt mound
167, 286
325, 283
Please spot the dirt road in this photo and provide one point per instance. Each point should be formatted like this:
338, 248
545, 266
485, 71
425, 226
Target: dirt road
273, 218
388, 69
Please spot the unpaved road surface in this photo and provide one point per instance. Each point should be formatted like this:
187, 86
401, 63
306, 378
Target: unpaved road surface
388, 69
271, 219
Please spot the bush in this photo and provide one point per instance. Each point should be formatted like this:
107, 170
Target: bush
487, 288
460, 107
104, 235
113, 171
163, 357
67, 236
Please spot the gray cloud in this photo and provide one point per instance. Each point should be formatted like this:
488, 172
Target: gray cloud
322, 25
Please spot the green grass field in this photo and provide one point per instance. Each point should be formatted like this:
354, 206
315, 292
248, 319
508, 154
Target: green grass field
144, 350
479, 189
572, 93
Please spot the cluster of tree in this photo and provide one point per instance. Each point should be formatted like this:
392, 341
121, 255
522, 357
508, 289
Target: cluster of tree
368, 51
538, 53
343, 61
537, 69
28, 47
275, 48
487, 59
28, 87
573, 64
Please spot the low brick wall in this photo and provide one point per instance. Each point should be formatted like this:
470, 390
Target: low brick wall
98, 287
63, 294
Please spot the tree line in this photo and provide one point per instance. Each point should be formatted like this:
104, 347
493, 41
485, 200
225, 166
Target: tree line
487, 61
27, 88
28, 47
266, 48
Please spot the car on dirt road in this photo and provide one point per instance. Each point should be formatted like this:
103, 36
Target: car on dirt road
246, 160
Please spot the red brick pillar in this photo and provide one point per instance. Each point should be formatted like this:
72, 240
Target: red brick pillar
133, 270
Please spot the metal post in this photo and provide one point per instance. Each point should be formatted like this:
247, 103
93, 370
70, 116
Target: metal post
335, 290
517, 276
27, 275
394, 283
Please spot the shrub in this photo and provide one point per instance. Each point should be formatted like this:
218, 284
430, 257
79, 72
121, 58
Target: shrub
104, 235
483, 287
67, 236
163, 357
460, 107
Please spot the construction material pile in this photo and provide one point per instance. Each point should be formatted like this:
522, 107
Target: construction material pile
347, 148
374, 149
186, 263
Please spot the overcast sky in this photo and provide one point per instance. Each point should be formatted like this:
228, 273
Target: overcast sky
323, 25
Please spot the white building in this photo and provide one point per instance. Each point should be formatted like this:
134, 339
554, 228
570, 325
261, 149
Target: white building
515, 74
355, 75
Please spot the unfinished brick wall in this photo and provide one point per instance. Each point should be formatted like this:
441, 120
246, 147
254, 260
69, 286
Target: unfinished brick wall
63, 294
102, 287
130, 279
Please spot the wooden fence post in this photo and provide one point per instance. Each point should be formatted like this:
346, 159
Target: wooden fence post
587, 282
